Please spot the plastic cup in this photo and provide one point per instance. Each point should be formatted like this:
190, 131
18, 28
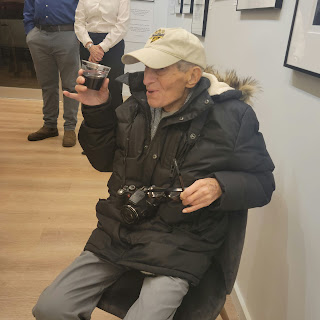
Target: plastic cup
94, 74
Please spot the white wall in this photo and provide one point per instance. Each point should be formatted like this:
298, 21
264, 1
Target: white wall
160, 16
279, 273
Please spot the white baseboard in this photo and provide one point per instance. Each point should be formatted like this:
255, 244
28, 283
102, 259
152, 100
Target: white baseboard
20, 93
239, 303
36, 94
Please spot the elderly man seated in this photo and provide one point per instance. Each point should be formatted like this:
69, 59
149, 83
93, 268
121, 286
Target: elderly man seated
187, 158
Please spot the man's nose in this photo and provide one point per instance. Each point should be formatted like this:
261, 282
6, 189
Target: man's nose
149, 76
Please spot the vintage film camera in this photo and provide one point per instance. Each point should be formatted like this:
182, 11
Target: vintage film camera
142, 203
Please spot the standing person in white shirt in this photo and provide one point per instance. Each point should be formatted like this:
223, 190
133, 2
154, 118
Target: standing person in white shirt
101, 26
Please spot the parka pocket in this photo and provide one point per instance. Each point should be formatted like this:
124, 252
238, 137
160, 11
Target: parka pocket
172, 145
171, 213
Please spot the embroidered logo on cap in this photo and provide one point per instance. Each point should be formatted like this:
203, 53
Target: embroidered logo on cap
157, 35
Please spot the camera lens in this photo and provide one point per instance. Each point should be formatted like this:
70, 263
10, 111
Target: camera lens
129, 214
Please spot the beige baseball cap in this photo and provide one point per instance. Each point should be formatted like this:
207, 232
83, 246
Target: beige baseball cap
167, 46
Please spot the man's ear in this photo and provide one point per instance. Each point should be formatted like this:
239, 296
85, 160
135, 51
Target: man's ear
194, 74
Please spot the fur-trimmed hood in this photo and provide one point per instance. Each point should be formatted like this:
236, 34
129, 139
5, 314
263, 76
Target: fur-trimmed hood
229, 81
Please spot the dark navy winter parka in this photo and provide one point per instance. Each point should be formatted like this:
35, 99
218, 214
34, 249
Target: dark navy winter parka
229, 147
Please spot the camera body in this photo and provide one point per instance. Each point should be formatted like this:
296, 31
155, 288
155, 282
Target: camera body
142, 203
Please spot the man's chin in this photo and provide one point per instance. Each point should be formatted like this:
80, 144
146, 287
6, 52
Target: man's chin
153, 104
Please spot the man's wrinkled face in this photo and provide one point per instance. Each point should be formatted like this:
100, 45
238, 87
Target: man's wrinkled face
166, 87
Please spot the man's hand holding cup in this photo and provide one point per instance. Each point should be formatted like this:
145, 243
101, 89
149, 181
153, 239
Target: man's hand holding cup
87, 96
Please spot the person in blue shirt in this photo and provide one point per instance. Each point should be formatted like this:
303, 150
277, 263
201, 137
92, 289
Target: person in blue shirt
54, 47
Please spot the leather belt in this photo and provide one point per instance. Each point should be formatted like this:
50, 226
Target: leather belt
55, 28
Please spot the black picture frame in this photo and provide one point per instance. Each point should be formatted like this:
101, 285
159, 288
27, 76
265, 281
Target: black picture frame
184, 6
302, 53
261, 4
187, 6
199, 17
178, 6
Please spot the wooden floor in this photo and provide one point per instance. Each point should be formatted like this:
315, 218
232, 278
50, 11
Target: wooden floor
47, 209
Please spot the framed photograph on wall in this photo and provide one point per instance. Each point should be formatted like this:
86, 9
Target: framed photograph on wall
304, 40
258, 4
178, 6
199, 17
187, 6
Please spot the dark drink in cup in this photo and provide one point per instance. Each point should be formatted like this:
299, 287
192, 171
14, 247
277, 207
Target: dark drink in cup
94, 74
94, 79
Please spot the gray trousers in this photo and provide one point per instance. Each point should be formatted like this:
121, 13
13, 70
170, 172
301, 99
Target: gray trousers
53, 53
75, 293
